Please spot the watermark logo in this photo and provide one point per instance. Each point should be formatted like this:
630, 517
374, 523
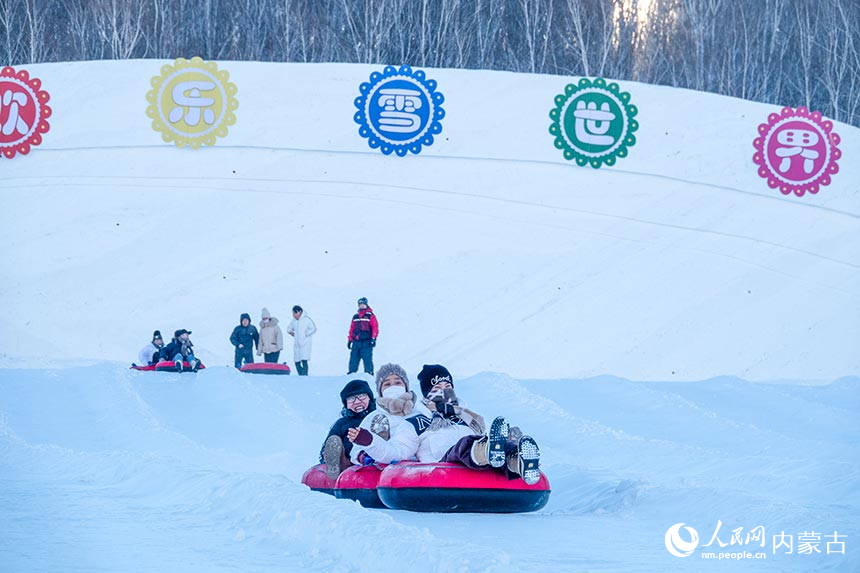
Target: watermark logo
797, 151
739, 543
593, 122
677, 546
23, 112
399, 110
192, 103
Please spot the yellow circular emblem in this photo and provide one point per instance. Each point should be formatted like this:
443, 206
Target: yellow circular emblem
192, 103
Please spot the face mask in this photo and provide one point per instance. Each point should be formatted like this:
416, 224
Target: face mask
393, 391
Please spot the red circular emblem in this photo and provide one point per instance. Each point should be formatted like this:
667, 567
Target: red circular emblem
797, 151
24, 112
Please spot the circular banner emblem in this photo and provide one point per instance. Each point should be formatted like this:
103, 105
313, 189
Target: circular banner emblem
24, 112
399, 110
796, 151
593, 122
192, 103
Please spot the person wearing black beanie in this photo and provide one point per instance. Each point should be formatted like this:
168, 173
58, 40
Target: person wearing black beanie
150, 353
358, 402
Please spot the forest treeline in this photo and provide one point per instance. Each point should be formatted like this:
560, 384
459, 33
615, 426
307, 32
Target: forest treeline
786, 52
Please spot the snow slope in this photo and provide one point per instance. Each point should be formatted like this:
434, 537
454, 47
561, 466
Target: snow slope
488, 251
107, 469
680, 339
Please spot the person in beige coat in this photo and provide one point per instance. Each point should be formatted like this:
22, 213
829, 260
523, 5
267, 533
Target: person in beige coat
271, 337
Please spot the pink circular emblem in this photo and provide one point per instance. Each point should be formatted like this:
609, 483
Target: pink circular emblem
24, 112
797, 151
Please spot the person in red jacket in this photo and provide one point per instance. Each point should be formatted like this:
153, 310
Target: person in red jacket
362, 337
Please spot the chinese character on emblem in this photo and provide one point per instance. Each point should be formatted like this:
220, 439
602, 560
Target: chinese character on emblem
797, 151
399, 110
192, 103
593, 122
24, 112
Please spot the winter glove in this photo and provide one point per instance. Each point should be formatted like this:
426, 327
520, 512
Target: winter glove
349, 344
373, 342
364, 438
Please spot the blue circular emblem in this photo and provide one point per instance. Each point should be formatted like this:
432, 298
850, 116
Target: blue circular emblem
399, 110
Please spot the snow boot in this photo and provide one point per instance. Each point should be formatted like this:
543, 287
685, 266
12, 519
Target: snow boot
496, 440
380, 426
195, 365
528, 460
178, 363
479, 452
332, 452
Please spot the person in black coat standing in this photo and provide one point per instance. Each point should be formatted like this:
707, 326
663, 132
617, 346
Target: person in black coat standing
358, 402
245, 338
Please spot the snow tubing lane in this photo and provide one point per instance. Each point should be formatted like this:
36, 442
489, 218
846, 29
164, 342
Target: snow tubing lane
265, 368
168, 366
359, 483
453, 488
316, 479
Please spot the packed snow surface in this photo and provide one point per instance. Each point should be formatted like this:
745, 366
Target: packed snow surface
680, 339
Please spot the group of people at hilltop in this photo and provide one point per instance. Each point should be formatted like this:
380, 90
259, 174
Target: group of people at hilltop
397, 425
268, 341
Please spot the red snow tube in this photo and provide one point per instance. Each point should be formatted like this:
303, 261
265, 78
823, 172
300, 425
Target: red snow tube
359, 483
445, 487
168, 366
316, 479
265, 368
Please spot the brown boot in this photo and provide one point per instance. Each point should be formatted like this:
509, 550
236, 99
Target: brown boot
480, 453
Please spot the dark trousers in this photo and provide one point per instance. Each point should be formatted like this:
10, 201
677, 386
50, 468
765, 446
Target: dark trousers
245, 355
271, 356
361, 350
461, 453
302, 367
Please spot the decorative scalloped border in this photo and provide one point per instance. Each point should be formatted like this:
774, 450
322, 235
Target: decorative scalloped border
819, 124
425, 137
211, 70
41, 126
627, 139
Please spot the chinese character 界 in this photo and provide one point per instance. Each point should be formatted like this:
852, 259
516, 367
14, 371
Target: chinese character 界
796, 142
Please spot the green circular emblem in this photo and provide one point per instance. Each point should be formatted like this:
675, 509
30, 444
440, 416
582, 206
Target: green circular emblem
593, 122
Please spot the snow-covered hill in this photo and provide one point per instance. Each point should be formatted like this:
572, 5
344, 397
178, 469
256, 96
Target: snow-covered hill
488, 251
107, 469
678, 337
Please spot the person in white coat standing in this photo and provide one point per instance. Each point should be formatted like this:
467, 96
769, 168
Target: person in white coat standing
301, 328
271, 337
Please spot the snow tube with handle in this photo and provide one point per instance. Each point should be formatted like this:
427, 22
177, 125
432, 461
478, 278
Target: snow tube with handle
316, 479
168, 366
359, 483
446, 487
265, 368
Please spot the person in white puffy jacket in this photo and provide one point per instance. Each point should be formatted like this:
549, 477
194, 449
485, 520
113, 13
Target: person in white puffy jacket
379, 437
301, 328
453, 433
